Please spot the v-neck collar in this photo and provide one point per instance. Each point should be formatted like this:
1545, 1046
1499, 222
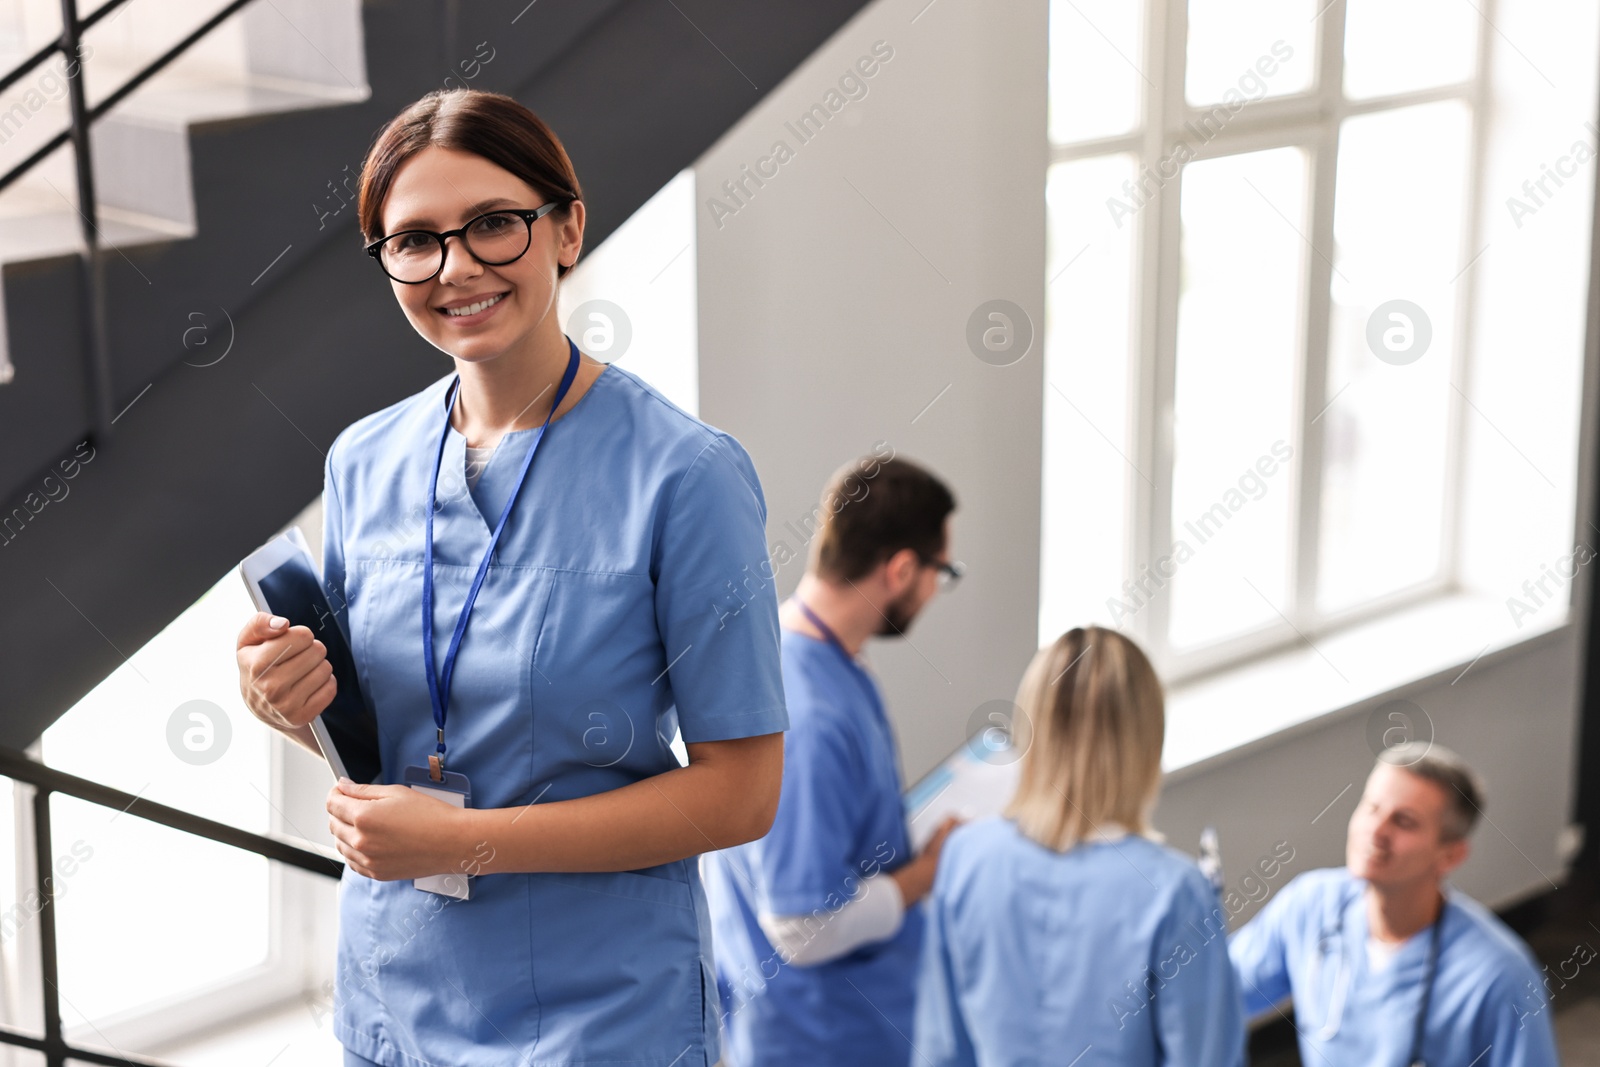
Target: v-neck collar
1410, 953
455, 452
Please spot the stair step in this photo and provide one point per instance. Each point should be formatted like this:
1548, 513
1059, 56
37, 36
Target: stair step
181, 103
60, 232
41, 236
142, 162
141, 146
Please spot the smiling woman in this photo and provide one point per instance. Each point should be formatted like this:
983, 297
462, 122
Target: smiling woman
474, 282
560, 621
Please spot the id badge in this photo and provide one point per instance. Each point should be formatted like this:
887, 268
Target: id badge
455, 789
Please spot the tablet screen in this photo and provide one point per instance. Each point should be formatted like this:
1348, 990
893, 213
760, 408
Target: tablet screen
294, 591
975, 781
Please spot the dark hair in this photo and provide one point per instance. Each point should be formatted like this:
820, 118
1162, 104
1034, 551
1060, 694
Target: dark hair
873, 508
491, 125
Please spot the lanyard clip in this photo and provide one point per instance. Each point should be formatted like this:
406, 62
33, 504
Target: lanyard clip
436, 760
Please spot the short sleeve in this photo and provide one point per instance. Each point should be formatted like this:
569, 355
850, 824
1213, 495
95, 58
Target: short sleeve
1259, 956
715, 602
805, 860
1199, 1013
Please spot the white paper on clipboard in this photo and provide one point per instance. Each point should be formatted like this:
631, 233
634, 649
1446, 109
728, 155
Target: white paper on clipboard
974, 782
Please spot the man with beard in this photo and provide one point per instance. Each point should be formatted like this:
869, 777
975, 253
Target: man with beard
817, 935
1388, 964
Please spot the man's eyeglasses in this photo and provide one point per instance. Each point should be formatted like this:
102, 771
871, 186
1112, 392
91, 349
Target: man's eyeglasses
412, 257
949, 573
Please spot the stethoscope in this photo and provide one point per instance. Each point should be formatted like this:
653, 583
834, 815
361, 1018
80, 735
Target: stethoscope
1341, 984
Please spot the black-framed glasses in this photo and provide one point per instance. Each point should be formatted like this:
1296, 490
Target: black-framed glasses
949, 572
494, 239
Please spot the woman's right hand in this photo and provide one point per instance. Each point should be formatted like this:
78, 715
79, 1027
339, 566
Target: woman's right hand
284, 673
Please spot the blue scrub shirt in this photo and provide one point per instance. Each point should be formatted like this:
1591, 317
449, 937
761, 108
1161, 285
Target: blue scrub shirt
1489, 1007
1113, 952
620, 605
840, 820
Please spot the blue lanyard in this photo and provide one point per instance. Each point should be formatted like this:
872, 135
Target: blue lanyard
827, 632
439, 689
855, 667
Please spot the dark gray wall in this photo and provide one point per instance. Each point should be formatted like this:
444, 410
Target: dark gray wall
211, 460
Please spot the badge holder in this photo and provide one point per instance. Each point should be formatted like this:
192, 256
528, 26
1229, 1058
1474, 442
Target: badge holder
451, 787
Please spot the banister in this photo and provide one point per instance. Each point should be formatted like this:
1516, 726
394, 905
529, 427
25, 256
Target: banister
48, 780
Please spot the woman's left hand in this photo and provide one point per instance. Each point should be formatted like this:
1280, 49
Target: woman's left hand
390, 832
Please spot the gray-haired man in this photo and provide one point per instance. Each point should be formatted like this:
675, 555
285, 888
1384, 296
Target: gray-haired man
1387, 964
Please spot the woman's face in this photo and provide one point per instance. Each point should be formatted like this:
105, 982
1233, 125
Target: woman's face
442, 188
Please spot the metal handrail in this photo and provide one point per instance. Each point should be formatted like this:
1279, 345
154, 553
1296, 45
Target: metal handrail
280, 847
46, 781
8, 80
77, 131
98, 111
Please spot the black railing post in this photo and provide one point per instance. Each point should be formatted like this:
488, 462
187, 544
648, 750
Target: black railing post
98, 343
55, 1046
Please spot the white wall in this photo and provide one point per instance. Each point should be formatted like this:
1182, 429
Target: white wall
833, 309
833, 305
630, 300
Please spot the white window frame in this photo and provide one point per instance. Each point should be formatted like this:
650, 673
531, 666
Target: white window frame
1310, 120
291, 972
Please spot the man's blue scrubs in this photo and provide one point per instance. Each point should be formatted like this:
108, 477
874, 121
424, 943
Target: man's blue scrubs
840, 820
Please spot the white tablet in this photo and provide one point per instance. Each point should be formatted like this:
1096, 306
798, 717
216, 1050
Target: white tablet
282, 579
975, 781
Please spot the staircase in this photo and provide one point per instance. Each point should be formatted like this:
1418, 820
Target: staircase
244, 327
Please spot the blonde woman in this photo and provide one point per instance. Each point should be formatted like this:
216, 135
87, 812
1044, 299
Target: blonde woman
1062, 931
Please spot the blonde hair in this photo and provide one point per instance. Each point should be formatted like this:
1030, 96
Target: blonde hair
1092, 723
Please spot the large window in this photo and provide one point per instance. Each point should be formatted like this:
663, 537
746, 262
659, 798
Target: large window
1282, 267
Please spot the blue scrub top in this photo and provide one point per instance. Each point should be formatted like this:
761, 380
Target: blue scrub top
1489, 1007
1113, 952
625, 599
840, 819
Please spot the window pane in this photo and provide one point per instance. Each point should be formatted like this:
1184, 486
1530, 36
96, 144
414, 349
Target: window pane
18, 910
1385, 429
1096, 68
122, 733
148, 729
1249, 48
1394, 46
1089, 276
1239, 314
137, 898
631, 300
